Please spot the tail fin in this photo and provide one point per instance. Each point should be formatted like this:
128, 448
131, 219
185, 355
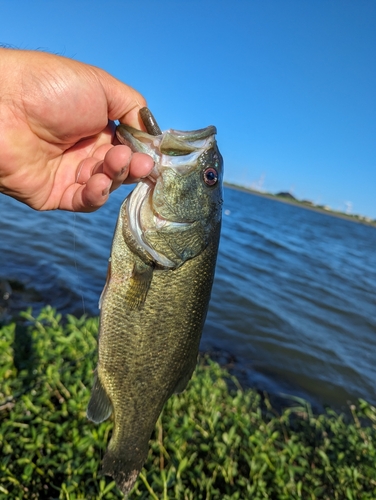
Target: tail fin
122, 469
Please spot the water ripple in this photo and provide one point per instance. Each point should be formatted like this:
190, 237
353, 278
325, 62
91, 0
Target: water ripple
294, 297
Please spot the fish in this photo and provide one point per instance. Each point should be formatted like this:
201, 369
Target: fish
155, 300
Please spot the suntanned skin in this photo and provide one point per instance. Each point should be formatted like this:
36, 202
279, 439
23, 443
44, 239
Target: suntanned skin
58, 148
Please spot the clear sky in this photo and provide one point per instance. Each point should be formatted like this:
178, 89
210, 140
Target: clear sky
290, 84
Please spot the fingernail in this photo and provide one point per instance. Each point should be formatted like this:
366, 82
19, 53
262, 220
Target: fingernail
126, 167
106, 191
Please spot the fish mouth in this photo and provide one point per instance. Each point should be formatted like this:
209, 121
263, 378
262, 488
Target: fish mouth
171, 143
175, 149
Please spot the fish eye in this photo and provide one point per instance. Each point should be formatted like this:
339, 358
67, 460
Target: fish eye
210, 176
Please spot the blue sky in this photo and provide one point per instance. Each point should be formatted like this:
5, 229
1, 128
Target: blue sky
290, 84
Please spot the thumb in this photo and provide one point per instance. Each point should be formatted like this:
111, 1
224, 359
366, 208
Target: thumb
123, 101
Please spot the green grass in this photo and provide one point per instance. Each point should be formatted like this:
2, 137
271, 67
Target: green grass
214, 441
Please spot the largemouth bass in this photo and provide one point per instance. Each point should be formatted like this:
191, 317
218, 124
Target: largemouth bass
155, 300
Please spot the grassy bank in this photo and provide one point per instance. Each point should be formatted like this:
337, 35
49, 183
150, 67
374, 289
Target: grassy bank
214, 441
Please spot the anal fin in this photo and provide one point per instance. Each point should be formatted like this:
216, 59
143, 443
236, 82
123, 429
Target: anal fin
99, 407
183, 381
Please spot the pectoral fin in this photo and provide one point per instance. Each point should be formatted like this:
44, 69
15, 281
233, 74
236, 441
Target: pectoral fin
139, 284
99, 407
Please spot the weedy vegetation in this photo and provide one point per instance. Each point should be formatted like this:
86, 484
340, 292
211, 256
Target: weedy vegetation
214, 441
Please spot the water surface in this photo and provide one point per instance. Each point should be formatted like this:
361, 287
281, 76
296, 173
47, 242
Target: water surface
294, 299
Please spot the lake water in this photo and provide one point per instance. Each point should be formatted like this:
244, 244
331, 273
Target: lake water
294, 299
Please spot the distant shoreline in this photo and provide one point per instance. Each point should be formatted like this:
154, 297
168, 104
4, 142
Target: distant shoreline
300, 204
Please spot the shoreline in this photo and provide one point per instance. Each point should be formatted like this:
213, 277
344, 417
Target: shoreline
300, 204
236, 442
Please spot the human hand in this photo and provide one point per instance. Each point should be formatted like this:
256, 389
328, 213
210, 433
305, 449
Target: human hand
58, 148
